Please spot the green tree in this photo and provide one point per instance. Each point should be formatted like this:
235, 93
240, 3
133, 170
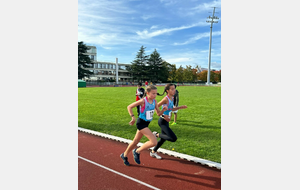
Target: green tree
84, 61
179, 74
188, 74
138, 68
165, 71
156, 67
172, 72
194, 75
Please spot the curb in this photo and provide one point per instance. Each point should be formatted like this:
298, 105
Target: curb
161, 150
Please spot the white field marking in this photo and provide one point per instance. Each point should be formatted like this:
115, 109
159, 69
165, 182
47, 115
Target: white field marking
160, 150
138, 181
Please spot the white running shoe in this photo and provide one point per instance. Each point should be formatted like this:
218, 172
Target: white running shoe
154, 155
155, 133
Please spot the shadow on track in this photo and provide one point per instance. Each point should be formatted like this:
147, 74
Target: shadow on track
216, 181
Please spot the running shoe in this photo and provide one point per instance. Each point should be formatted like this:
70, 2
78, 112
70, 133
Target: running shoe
154, 155
155, 133
136, 156
125, 160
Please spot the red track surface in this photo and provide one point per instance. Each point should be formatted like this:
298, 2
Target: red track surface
168, 173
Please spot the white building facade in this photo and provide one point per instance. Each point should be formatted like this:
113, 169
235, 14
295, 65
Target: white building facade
106, 71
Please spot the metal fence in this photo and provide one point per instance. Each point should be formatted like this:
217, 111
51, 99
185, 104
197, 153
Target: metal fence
114, 84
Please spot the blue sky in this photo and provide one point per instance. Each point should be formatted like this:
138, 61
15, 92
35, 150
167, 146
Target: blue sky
176, 29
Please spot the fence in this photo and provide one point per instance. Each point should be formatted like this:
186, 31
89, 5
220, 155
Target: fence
114, 84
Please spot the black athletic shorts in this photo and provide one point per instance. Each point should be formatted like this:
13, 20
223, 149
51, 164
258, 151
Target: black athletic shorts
141, 124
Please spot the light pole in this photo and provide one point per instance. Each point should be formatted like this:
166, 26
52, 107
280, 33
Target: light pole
209, 54
117, 71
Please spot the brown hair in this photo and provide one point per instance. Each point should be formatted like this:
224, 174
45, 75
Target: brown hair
149, 88
167, 87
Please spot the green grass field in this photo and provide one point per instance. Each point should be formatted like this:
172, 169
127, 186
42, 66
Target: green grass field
198, 128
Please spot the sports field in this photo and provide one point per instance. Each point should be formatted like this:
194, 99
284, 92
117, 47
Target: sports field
198, 128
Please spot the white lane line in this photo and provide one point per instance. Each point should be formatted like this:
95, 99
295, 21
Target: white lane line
161, 150
138, 181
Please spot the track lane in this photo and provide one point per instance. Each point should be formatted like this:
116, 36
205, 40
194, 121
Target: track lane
168, 173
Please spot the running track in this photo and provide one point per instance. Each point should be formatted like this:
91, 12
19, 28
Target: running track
100, 167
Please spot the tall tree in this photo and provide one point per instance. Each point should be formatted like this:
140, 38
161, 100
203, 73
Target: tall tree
138, 66
165, 71
172, 73
156, 68
179, 74
188, 74
84, 61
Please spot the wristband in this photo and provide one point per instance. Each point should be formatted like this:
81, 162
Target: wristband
132, 115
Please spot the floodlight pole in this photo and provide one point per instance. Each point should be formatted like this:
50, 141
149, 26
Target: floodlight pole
117, 71
210, 38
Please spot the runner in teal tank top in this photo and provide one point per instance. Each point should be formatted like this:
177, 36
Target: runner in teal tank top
166, 133
169, 105
147, 107
147, 111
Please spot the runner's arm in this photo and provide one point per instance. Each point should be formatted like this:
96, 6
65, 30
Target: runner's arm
160, 112
178, 108
129, 108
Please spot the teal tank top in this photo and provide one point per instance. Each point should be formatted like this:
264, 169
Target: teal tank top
170, 106
147, 111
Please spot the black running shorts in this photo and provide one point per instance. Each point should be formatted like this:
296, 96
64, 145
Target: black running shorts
141, 124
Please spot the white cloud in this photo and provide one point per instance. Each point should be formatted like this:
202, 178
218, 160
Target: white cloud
146, 17
215, 65
145, 34
168, 2
153, 27
207, 6
198, 37
118, 28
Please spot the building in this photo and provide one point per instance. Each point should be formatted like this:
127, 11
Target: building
199, 69
92, 53
106, 71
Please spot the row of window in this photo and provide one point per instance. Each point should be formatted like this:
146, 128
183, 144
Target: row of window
107, 66
96, 72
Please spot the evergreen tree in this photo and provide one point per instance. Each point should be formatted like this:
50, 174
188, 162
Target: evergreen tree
166, 70
138, 68
156, 68
84, 61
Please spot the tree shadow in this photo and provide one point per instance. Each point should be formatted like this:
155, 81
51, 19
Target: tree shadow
216, 180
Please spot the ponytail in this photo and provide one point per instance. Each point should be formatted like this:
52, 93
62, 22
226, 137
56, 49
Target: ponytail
167, 87
162, 93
